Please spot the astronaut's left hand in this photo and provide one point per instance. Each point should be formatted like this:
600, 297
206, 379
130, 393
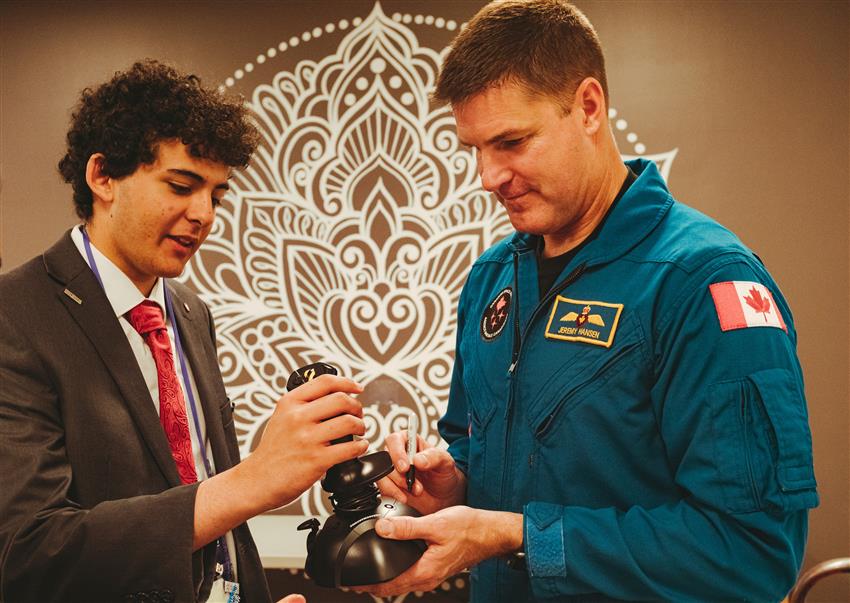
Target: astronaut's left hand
457, 537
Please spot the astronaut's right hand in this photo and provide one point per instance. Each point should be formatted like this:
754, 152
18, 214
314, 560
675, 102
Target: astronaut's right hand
438, 484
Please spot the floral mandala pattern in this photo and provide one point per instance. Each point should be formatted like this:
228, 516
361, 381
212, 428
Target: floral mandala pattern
349, 237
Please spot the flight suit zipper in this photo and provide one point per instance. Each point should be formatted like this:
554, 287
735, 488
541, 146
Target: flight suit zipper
519, 338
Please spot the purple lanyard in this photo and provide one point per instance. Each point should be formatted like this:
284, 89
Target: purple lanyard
221, 545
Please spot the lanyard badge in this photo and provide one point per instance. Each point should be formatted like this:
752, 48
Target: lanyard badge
224, 591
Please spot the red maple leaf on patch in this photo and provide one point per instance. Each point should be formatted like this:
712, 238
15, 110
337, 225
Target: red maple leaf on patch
758, 303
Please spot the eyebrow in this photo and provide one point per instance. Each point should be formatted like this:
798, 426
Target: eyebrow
197, 178
507, 134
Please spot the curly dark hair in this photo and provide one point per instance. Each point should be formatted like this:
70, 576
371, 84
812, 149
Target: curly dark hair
128, 116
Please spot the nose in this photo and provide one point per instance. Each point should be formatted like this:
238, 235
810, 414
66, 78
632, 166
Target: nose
200, 209
493, 171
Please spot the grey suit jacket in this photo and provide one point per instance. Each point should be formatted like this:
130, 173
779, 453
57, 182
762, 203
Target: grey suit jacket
91, 506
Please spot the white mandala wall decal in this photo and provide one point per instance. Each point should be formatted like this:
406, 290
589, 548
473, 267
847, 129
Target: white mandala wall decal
349, 237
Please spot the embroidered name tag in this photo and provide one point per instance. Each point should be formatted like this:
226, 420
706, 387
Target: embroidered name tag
585, 321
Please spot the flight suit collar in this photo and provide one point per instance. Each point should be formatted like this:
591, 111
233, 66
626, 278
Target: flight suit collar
640, 210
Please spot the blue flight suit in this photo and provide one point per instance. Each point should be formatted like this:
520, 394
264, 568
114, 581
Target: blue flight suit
653, 455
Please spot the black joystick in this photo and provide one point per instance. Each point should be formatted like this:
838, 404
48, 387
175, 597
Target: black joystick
347, 551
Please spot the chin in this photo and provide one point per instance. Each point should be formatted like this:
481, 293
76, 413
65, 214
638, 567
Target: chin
526, 227
171, 271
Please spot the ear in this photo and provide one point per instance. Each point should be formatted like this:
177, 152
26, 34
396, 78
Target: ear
590, 102
102, 186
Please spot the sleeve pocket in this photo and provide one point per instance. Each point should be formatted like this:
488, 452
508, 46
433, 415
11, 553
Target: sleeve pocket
782, 428
762, 443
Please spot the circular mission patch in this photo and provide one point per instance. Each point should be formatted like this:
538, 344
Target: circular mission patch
496, 315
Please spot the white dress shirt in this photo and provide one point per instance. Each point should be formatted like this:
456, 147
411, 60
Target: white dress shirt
123, 296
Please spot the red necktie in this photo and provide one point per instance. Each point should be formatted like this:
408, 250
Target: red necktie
146, 318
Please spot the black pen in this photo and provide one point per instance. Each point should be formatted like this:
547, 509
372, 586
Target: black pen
411, 451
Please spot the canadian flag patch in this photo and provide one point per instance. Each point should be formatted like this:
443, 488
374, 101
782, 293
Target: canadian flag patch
742, 304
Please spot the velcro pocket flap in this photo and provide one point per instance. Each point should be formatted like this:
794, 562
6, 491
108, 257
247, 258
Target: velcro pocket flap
786, 410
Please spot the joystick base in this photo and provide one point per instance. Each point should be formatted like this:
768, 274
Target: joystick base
348, 551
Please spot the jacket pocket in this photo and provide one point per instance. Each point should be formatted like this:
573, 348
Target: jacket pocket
762, 443
595, 381
477, 459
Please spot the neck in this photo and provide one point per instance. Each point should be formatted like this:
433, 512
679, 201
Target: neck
610, 182
103, 244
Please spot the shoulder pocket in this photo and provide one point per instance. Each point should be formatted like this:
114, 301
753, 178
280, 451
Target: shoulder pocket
762, 443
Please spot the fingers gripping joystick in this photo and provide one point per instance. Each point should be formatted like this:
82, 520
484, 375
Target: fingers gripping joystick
347, 551
308, 373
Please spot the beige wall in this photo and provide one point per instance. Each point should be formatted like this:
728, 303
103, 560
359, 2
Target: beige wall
755, 95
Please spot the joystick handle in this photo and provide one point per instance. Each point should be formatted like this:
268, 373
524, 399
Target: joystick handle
308, 373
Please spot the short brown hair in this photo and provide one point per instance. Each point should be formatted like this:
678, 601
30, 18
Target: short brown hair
546, 46
127, 117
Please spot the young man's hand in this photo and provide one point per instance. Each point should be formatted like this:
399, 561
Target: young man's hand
295, 449
294, 453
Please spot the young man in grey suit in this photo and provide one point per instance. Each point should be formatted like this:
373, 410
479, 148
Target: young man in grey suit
121, 469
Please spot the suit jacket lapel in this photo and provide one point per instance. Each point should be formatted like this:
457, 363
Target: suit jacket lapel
200, 353
87, 304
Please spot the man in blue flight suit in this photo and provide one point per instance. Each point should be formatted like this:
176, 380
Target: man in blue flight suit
626, 418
